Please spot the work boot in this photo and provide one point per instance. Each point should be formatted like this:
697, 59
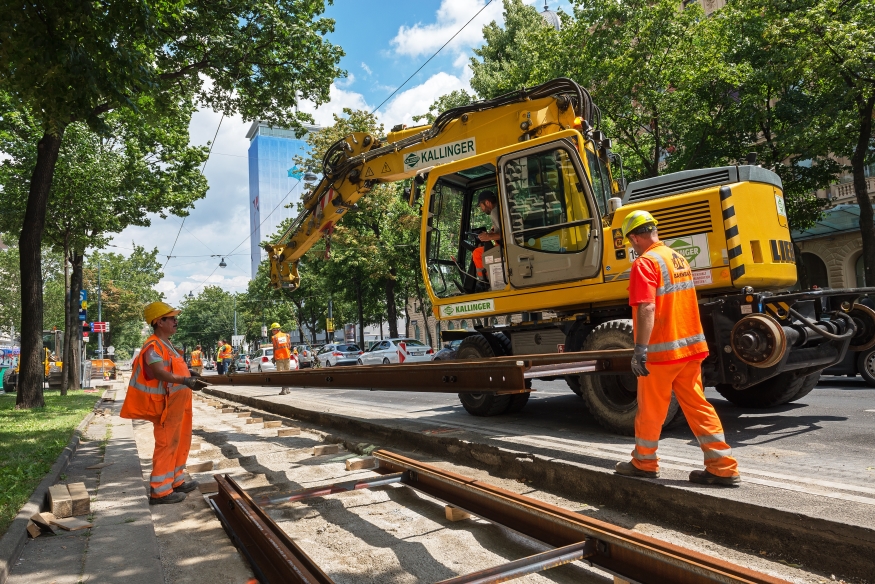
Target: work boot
630, 470
285, 391
703, 477
185, 487
168, 500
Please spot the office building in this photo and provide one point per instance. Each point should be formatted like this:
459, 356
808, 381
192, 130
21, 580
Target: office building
274, 182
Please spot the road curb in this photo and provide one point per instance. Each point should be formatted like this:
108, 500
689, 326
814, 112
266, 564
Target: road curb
15, 537
821, 544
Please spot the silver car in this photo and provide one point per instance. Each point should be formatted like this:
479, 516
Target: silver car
261, 362
305, 356
334, 354
387, 351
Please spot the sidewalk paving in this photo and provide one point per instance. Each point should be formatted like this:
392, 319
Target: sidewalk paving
130, 542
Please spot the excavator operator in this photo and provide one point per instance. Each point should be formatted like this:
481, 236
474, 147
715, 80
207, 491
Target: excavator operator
488, 203
669, 349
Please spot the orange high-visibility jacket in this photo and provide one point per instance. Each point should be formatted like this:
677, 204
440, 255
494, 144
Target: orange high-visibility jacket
282, 346
196, 359
677, 330
147, 397
225, 352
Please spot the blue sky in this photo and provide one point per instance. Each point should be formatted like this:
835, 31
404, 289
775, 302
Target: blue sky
385, 41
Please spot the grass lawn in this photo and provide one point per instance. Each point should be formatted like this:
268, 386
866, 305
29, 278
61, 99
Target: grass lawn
31, 441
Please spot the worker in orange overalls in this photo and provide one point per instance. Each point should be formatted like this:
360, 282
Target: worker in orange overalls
197, 362
669, 349
282, 351
160, 392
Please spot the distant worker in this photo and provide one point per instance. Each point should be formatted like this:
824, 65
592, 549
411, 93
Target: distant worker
488, 203
160, 392
197, 361
282, 351
669, 349
220, 365
226, 355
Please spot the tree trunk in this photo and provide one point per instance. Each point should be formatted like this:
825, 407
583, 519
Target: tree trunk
391, 307
66, 358
72, 373
424, 315
858, 161
30, 384
801, 273
358, 295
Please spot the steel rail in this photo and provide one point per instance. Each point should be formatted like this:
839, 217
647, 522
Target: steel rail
620, 551
504, 375
632, 556
302, 494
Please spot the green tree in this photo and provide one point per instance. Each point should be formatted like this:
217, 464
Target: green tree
206, 318
64, 63
456, 98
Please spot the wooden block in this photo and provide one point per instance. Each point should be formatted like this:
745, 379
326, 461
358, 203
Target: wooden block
326, 449
208, 487
273, 424
98, 465
242, 414
227, 410
60, 503
455, 514
199, 466
288, 432
43, 521
81, 499
360, 463
33, 529
254, 420
72, 523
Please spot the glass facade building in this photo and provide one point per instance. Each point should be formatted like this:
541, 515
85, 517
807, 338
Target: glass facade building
271, 184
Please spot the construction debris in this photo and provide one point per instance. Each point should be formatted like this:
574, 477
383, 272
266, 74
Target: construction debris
60, 503
72, 523
80, 498
455, 514
359, 463
326, 449
288, 432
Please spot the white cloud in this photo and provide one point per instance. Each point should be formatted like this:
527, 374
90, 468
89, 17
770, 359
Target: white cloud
346, 81
366, 68
415, 101
339, 99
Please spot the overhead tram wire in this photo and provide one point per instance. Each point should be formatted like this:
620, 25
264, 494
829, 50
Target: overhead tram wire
265, 219
432, 57
182, 224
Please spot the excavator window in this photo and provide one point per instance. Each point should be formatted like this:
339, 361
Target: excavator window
601, 180
546, 203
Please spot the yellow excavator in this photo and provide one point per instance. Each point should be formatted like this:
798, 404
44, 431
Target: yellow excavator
561, 262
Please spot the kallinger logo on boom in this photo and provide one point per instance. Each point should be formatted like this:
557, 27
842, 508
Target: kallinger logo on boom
440, 154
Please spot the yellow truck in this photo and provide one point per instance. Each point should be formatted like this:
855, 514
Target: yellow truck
561, 262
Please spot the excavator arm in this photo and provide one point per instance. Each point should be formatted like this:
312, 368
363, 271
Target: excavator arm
353, 165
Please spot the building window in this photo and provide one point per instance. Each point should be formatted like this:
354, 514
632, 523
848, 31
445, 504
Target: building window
416, 331
816, 270
494, 321
859, 272
450, 326
464, 325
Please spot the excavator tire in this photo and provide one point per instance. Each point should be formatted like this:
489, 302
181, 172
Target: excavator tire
613, 399
482, 404
775, 391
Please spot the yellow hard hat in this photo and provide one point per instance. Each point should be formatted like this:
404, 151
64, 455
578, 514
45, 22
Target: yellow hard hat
636, 219
156, 310
275, 325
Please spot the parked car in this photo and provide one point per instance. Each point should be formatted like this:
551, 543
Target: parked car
262, 360
305, 356
448, 351
242, 363
386, 352
334, 354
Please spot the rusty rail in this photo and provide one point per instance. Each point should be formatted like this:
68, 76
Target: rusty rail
504, 375
632, 556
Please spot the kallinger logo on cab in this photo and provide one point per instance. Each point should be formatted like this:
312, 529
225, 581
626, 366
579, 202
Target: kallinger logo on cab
469, 308
440, 154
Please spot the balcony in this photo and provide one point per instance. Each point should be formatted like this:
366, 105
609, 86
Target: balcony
843, 193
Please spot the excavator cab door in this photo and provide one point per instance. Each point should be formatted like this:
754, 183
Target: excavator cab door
551, 223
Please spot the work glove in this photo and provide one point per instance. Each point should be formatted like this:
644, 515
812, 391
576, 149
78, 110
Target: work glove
639, 361
195, 383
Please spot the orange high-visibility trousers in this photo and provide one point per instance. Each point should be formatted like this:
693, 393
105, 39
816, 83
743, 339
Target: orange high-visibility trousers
654, 396
172, 443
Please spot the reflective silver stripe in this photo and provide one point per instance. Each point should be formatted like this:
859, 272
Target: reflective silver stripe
637, 455
160, 478
646, 443
712, 454
178, 469
710, 438
672, 345
174, 387
163, 489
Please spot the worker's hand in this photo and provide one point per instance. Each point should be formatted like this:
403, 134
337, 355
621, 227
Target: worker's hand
484, 236
195, 383
639, 361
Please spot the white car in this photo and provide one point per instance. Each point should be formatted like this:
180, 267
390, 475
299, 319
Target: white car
387, 351
262, 363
